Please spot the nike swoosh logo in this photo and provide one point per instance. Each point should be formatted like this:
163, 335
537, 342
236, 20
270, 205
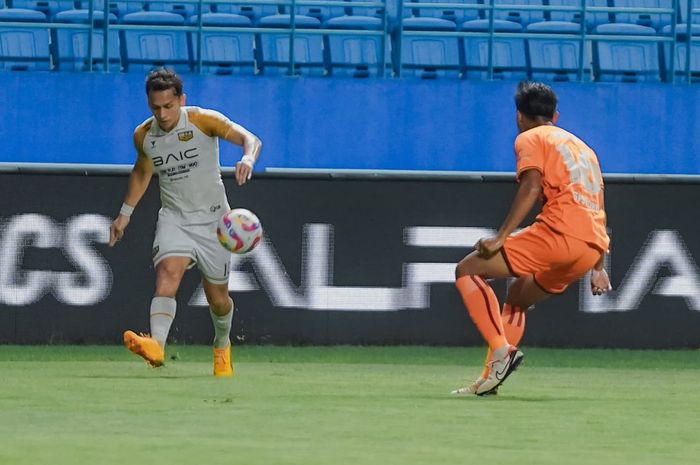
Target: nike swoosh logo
500, 374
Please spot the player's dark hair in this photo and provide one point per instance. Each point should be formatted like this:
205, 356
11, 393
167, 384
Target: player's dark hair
164, 79
535, 99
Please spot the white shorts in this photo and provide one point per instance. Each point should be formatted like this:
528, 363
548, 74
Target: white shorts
196, 241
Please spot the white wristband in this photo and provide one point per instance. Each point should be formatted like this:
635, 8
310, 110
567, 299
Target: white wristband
126, 210
248, 160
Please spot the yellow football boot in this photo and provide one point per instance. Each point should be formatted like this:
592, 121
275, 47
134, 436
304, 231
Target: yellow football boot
222, 362
145, 347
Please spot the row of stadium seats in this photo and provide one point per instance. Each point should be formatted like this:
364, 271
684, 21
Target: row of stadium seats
416, 50
452, 12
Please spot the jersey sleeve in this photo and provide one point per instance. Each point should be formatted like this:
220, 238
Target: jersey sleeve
529, 153
139, 136
211, 122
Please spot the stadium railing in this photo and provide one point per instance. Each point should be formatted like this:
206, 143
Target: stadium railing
675, 41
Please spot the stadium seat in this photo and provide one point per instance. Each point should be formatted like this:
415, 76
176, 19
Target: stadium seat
522, 17
142, 50
427, 56
183, 9
509, 60
71, 45
657, 21
555, 59
118, 8
456, 15
23, 48
48, 7
225, 52
252, 11
593, 19
371, 11
356, 55
681, 52
274, 46
625, 61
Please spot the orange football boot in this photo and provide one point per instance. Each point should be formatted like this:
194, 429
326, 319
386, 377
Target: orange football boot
146, 347
222, 362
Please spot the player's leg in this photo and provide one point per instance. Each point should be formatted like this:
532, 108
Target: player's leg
214, 262
169, 272
484, 309
522, 294
221, 311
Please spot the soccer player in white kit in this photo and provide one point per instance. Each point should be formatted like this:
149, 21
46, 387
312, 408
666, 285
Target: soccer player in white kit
181, 145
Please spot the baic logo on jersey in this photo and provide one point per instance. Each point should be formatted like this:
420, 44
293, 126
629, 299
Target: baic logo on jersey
184, 136
188, 154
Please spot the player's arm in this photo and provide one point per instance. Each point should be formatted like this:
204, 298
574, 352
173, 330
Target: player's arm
215, 124
600, 282
529, 191
139, 179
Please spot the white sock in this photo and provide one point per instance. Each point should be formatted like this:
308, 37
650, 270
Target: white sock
222, 328
162, 316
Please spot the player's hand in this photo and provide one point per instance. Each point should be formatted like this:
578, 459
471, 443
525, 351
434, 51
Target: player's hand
243, 172
487, 247
116, 230
600, 282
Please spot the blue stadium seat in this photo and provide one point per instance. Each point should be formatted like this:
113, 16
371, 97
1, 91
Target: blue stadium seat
555, 59
71, 45
274, 46
225, 52
373, 11
456, 15
625, 61
118, 8
593, 19
522, 17
353, 55
48, 7
682, 50
252, 11
142, 50
183, 9
509, 60
23, 48
428, 56
657, 21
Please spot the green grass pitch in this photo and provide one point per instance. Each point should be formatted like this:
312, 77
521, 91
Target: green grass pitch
346, 405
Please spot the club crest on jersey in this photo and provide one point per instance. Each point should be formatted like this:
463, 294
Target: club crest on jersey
184, 136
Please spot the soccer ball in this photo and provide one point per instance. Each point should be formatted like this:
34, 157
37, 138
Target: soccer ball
239, 230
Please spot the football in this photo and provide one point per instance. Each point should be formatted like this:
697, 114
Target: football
239, 230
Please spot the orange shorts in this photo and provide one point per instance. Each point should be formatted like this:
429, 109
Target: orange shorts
555, 260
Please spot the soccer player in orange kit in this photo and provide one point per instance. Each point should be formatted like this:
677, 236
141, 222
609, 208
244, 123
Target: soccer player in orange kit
567, 239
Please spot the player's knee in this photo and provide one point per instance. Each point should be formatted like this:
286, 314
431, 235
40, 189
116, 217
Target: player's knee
220, 304
464, 268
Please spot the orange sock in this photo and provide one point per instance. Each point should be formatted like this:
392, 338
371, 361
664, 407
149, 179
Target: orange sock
514, 326
482, 304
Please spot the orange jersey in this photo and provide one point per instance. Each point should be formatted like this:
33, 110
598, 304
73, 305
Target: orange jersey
572, 184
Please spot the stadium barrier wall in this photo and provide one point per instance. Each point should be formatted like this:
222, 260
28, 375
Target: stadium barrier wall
337, 123
345, 259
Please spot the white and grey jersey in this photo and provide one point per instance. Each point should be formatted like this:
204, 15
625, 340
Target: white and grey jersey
186, 160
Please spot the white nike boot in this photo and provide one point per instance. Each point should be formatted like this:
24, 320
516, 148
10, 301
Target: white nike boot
505, 361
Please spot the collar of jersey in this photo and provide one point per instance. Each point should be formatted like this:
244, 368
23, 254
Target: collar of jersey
181, 123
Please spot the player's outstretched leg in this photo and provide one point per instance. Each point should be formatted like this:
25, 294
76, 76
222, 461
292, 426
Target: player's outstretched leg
145, 347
